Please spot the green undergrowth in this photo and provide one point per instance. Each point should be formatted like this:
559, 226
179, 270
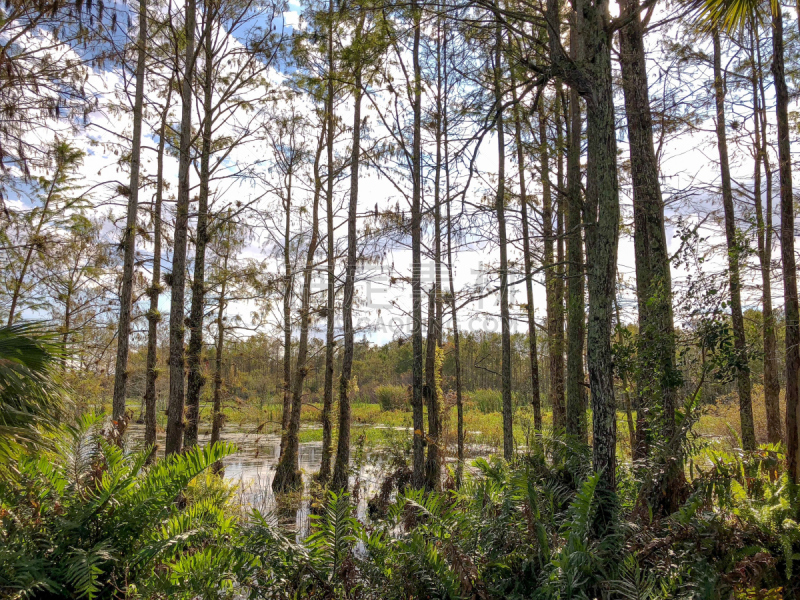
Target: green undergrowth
86, 518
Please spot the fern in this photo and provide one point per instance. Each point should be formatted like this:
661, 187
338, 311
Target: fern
86, 568
88, 517
334, 533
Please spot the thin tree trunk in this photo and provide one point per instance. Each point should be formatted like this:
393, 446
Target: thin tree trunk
418, 476
195, 378
772, 386
575, 414
287, 316
456, 339
453, 308
176, 327
20, 280
153, 314
739, 342
287, 474
129, 237
792, 313
217, 417
327, 394
555, 304
432, 465
536, 400
505, 317
341, 468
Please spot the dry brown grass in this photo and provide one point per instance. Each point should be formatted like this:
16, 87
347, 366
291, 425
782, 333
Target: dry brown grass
722, 418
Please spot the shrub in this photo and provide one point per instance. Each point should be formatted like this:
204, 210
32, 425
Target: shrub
392, 397
90, 518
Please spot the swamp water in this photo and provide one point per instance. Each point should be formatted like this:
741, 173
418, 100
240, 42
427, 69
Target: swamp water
252, 469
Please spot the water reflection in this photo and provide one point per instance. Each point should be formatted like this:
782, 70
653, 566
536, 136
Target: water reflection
253, 467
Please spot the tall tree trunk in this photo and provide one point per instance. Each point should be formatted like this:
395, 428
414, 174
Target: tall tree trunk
433, 465
575, 414
453, 308
601, 217
217, 418
287, 314
772, 386
287, 474
153, 314
656, 346
739, 342
341, 468
176, 327
418, 476
129, 237
505, 317
555, 302
592, 78
533, 356
195, 379
456, 336
792, 313
327, 394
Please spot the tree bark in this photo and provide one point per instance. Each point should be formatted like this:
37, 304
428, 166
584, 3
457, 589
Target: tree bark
734, 278
418, 476
772, 386
574, 421
341, 468
153, 314
555, 302
129, 237
287, 473
176, 326
433, 465
287, 314
453, 308
792, 313
456, 338
217, 419
660, 378
591, 77
195, 378
601, 217
505, 368
547, 216
327, 394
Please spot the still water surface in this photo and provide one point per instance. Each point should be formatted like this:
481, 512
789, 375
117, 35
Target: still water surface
253, 467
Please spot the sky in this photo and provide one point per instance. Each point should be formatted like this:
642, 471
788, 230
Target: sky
384, 304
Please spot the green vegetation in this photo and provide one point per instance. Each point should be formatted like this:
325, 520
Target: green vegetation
89, 520
214, 209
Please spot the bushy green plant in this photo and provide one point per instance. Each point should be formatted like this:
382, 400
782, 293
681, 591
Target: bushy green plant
88, 520
392, 397
31, 396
